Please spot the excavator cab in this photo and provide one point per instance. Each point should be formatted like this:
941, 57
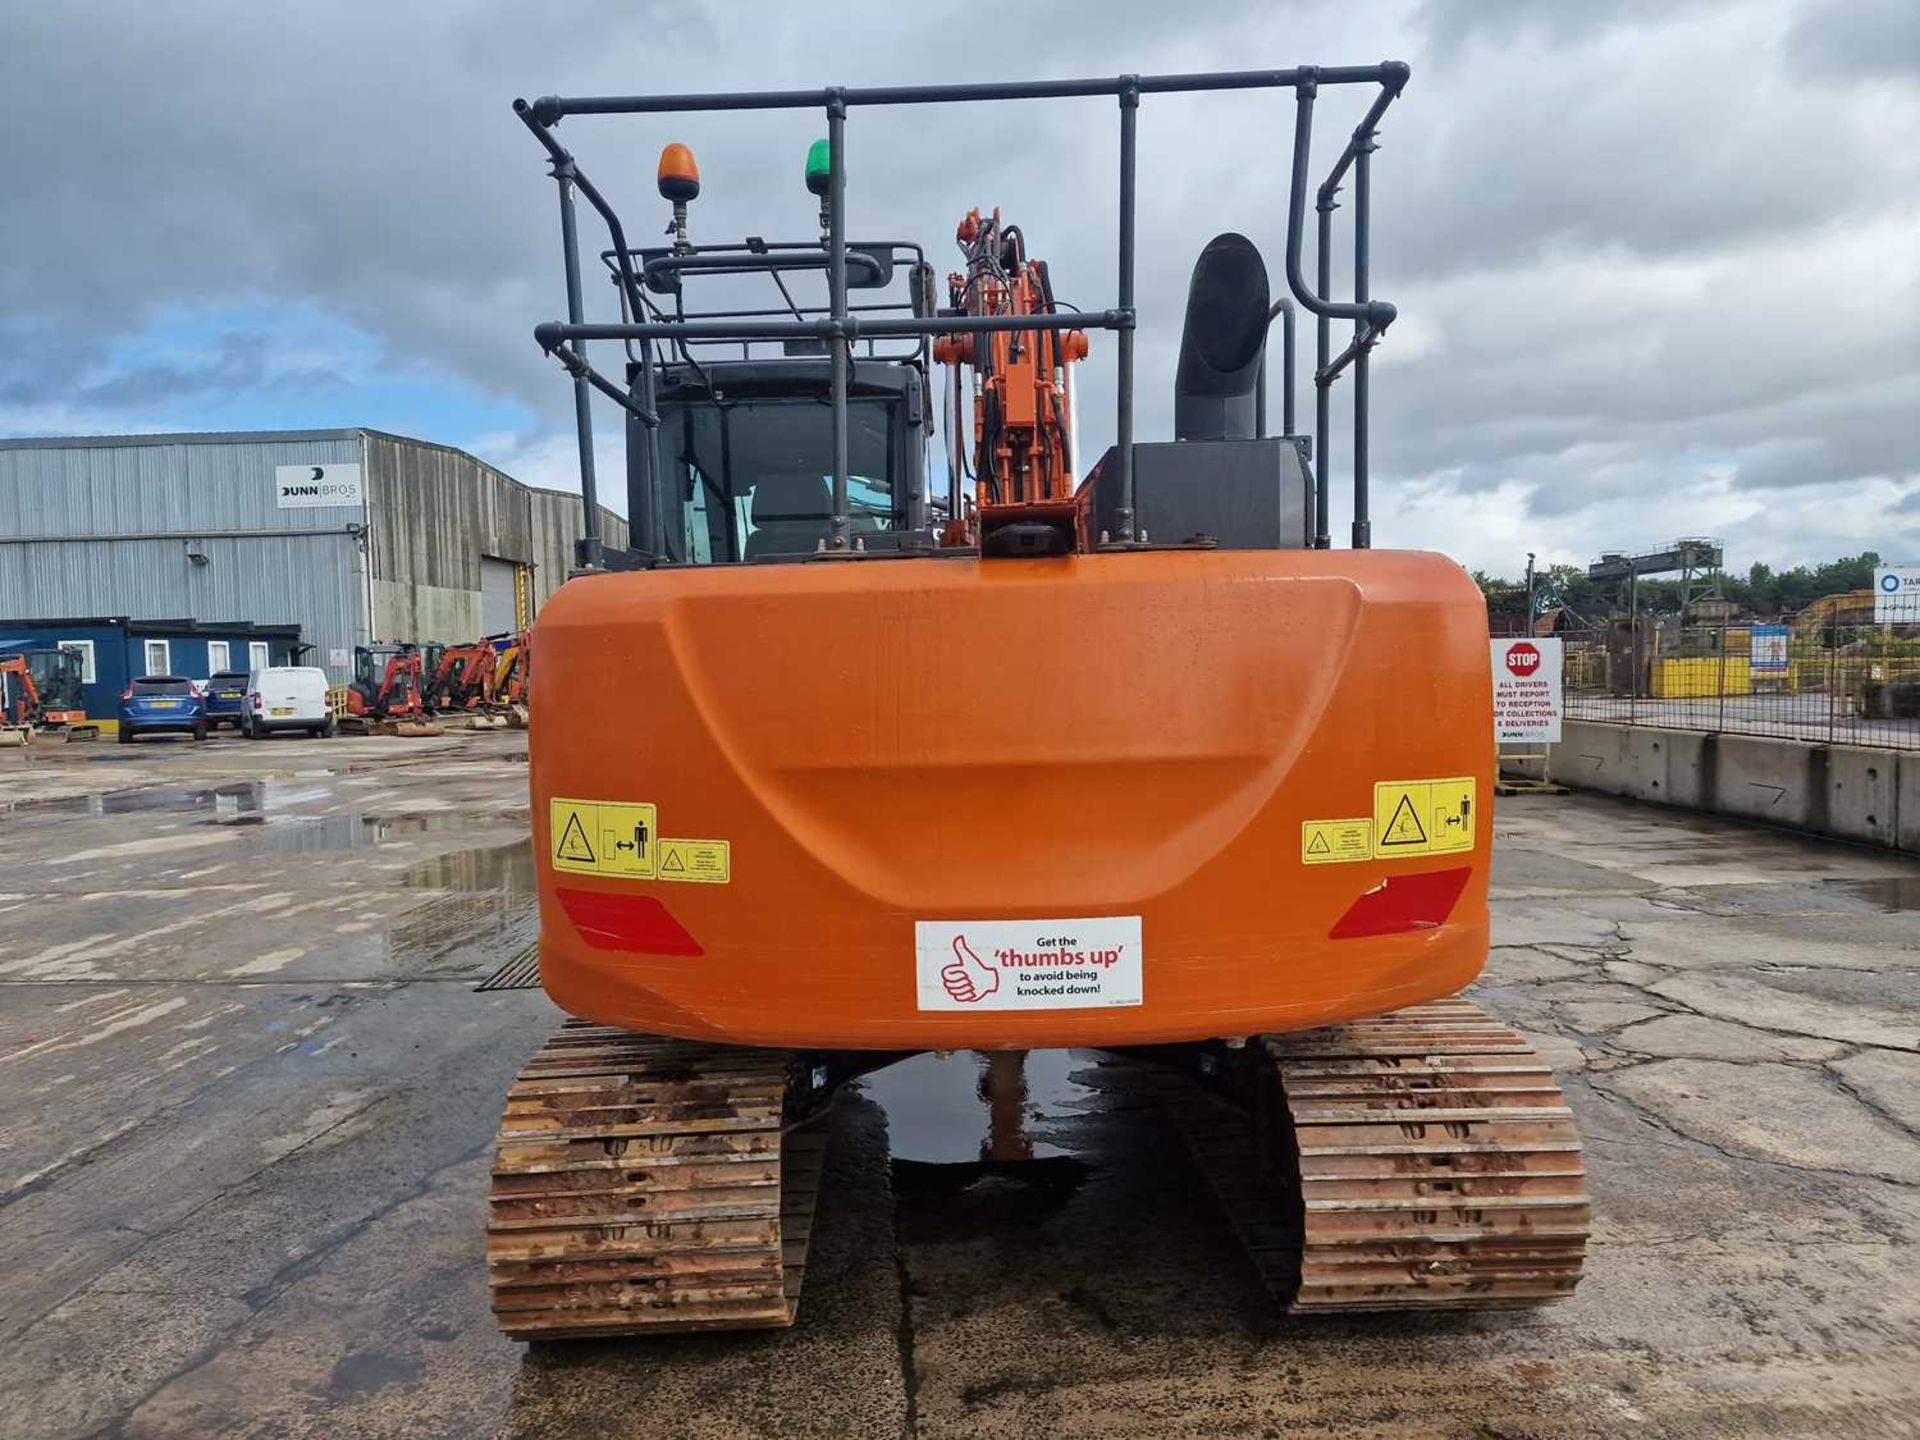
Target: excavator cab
1127, 755
743, 457
731, 448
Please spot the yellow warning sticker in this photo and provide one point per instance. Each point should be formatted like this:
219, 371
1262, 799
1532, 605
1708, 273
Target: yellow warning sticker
1422, 817
601, 837
1335, 842
705, 862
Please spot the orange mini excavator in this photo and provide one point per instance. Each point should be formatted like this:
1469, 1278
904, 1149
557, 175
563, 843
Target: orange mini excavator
461, 677
1140, 763
40, 691
387, 695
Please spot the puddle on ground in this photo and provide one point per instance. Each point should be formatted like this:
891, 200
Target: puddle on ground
464, 933
81, 754
485, 913
306, 833
979, 1108
236, 799
962, 1118
1890, 893
254, 804
507, 868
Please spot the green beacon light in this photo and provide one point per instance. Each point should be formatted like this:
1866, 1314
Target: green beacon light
819, 168
820, 182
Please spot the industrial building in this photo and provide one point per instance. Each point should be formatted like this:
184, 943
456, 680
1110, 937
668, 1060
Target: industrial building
352, 537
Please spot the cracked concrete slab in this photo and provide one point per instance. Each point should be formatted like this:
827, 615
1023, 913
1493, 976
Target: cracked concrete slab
1696, 1037
1633, 973
1889, 1080
1704, 939
1770, 1112
257, 1212
1525, 965
1600, 1016
1757, 1002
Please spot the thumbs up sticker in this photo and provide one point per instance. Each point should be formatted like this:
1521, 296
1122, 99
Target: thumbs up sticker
969, 979
1084, 963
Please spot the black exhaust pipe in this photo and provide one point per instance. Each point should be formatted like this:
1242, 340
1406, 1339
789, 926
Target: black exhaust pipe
1215, 389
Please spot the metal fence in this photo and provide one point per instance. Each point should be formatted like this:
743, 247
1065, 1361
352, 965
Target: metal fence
1824, 680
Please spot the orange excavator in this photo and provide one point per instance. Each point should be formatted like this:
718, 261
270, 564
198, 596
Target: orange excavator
1142, 764
461, 677
387, 695
40, 692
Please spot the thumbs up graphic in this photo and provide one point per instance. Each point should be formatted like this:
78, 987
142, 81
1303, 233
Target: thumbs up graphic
968, 979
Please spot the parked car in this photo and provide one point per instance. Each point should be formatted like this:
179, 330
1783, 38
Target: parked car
156, 704
287, 697
226, 696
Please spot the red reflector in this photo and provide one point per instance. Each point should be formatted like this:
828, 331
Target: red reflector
1403, 902
639, 923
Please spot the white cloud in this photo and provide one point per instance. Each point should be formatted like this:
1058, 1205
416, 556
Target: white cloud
1654, 259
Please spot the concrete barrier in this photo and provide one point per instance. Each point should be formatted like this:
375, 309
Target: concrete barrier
1850, 792
1906, 805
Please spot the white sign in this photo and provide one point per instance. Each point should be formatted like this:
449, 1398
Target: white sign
1526, 692
306, 487
1896, 595
339, 659
1028, 964
1768, 651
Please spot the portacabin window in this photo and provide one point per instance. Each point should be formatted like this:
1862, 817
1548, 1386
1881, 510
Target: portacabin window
84, 649
159, 658
219, 656
257, 656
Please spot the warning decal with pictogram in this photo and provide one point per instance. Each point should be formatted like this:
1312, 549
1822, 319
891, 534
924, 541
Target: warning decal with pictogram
700, 862
603, 837
1404, 828
573, 843
1336, 842
1423, 817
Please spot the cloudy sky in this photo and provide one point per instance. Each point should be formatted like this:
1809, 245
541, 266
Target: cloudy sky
1657, 262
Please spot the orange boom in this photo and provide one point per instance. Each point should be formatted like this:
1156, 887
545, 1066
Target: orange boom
1137, 762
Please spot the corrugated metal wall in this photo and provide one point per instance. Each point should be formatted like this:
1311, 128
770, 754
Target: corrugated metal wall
556, 526
143, 485
124, 515
106, 527
435, 513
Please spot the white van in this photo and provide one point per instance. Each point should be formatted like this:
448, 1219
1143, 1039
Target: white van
287, 697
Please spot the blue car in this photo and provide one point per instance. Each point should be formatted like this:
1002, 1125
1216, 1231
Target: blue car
226, 699
157, 703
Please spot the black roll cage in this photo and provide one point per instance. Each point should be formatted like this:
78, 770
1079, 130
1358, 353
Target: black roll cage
841, 324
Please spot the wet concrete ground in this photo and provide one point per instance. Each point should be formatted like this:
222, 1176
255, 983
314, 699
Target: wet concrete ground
247, 1090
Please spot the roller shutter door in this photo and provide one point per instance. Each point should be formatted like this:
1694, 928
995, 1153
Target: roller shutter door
497, 579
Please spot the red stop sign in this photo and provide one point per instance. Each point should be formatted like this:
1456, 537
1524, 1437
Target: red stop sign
1524, 658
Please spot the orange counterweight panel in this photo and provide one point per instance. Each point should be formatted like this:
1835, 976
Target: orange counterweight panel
1171, 795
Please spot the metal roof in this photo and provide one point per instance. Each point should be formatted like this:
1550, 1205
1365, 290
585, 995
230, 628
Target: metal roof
179, 437
251, 437
157, 627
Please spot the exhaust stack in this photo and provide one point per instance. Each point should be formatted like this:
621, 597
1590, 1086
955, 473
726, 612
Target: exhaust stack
1221, 348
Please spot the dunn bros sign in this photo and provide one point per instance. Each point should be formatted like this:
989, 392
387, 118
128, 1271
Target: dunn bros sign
308, 487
